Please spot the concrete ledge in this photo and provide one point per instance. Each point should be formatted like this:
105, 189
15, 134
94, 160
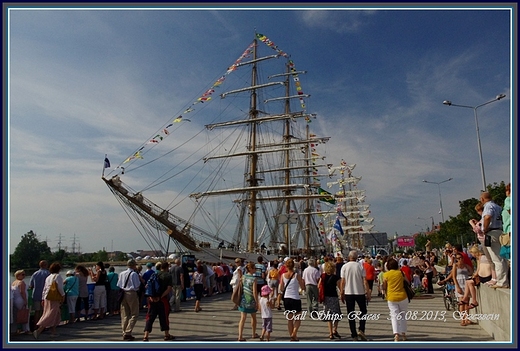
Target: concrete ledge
494, 302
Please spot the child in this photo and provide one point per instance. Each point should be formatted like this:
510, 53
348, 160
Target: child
425, 282
416, 283
266, 303
382, 291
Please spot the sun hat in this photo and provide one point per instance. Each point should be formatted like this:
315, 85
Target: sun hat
266, 290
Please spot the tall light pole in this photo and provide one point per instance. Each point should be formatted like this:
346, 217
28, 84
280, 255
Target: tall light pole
474, 108
440, 198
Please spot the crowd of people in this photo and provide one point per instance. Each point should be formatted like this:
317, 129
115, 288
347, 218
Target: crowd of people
265, 286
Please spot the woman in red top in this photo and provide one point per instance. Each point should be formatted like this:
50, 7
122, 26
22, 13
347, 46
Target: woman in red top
407, 270
370, 271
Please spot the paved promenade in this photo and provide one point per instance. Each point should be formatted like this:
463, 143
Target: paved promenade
216, 327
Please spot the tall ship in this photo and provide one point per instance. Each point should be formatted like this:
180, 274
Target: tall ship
248, 180
352, 220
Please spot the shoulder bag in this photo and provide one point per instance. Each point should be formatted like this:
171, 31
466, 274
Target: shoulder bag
410, 293
286, 285
69, 289
321, 288
236, 296
121, 292
53, 294
22, 316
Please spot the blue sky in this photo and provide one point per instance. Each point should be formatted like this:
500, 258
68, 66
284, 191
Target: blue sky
83, 83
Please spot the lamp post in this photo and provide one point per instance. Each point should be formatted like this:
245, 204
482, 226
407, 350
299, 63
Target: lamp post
474, 108
440, 198
433, 223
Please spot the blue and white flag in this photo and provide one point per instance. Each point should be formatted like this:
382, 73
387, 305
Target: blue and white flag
338, 227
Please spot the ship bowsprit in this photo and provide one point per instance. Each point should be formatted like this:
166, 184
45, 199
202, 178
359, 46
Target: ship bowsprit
160, 219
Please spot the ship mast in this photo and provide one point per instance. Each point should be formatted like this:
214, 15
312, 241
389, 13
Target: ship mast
253, 181
287, 138
308, 209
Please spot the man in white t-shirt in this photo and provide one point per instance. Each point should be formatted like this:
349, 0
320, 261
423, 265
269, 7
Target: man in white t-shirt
354, 289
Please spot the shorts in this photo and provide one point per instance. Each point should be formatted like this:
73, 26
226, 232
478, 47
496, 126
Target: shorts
292, 305
273, 283
267, 324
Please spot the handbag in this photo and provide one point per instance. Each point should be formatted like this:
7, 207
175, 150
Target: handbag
410, 293
487, 240
22, 316
505, 239
53, 294
236, 296
321, 289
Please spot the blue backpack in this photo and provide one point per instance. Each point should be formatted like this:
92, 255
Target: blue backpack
152, 286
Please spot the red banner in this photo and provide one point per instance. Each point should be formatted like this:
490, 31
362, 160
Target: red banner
406, 241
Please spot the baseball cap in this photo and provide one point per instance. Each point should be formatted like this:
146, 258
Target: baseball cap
149, 265
70, 273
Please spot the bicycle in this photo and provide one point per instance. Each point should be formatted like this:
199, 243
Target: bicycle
448, 293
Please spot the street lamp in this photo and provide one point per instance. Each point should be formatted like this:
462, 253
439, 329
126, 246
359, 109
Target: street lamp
498, 97
440, 198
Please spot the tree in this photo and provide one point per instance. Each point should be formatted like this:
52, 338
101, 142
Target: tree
121, 257
101, 255
457, 229
29, 252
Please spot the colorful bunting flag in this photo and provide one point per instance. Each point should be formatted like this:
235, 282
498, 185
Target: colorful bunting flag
328, 196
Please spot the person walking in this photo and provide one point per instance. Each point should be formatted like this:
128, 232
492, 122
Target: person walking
331, 284
158, 303
113, 292
71, 288
237, 275
20, 297
354, 289
129, 281
177, 275
260, 274
51, 316
266, 307
249, 301
82, 274
290, 284
393, 283
310, 276
37, 283
98, 274
199, 284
